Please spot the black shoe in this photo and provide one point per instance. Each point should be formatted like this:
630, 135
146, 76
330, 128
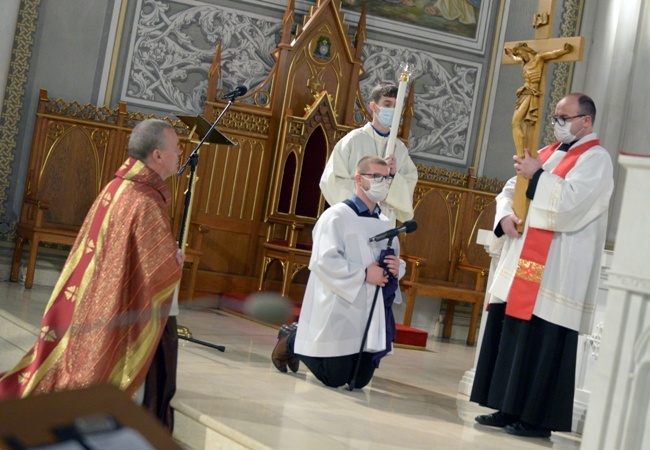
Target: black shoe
497, 419
527, 430
281, 357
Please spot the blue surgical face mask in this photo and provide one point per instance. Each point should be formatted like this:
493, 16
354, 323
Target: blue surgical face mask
385, 116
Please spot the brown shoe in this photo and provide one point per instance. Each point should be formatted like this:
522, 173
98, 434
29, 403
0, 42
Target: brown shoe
281, 357
294, 363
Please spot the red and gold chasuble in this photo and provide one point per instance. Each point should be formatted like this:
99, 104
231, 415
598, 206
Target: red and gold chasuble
530, 269
110, 305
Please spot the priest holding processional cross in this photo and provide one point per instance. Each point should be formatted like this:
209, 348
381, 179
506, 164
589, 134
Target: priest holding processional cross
551, 222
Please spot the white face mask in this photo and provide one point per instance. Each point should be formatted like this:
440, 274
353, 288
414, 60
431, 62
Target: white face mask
378, 190
563, 133
385, 116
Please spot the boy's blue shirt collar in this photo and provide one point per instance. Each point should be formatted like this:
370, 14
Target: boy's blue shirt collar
362, 207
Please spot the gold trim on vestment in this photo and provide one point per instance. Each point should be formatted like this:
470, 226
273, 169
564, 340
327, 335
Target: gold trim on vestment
530, 271
55, 355
131, 364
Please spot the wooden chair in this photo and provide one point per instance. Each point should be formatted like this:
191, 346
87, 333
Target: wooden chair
284, 247
296, 202
72, 158
76, 150
444, 261
193, 255
451, 292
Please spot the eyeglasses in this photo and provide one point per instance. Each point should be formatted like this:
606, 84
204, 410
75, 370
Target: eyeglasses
562, 120
377, 177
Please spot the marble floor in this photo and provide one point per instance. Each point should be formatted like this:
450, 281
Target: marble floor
237, 399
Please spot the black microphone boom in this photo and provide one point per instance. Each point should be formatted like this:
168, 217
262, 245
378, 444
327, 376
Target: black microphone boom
238, 92
409, 226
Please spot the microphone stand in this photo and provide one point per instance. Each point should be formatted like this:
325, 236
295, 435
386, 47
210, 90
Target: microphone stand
193, 162
365, 333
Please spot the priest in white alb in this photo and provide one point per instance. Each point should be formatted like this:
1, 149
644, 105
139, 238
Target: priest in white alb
545, 284
337, 181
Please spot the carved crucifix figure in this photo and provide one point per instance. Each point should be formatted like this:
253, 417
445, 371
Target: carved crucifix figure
529, 96
534, 55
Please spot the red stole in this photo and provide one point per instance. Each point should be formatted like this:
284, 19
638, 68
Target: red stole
530, 269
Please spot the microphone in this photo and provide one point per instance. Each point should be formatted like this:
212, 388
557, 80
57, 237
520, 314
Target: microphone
239, 91
409, 226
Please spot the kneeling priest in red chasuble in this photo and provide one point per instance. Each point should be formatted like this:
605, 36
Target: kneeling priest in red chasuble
110, 305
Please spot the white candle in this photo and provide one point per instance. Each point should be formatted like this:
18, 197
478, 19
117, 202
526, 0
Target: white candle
399, 103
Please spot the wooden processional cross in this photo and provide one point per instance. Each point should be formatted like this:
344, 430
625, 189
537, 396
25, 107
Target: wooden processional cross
534, 57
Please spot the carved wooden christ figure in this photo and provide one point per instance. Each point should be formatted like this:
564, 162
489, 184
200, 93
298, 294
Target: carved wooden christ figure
529, 101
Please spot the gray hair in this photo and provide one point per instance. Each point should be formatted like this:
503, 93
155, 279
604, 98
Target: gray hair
146, 137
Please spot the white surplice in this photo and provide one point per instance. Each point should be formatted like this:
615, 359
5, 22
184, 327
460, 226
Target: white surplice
575, 208
337, 301
337, 181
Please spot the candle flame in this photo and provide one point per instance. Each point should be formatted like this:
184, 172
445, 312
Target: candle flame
407, 70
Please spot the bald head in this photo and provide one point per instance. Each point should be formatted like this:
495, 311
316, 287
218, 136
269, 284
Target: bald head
580, 111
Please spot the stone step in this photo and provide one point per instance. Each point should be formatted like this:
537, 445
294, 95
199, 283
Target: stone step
196, 430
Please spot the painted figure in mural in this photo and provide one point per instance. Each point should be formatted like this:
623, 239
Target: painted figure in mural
528, 96
460, 16
461, 10
403, 2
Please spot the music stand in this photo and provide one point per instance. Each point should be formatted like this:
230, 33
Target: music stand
209, 134
203, 127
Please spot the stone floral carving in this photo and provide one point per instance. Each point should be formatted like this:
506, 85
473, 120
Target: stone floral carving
174, 44
444, 100
594, 340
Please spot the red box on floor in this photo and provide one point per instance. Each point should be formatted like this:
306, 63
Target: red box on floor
410, 336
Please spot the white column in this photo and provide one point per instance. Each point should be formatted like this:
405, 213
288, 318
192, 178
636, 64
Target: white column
8, 19
614, 73
619, 407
